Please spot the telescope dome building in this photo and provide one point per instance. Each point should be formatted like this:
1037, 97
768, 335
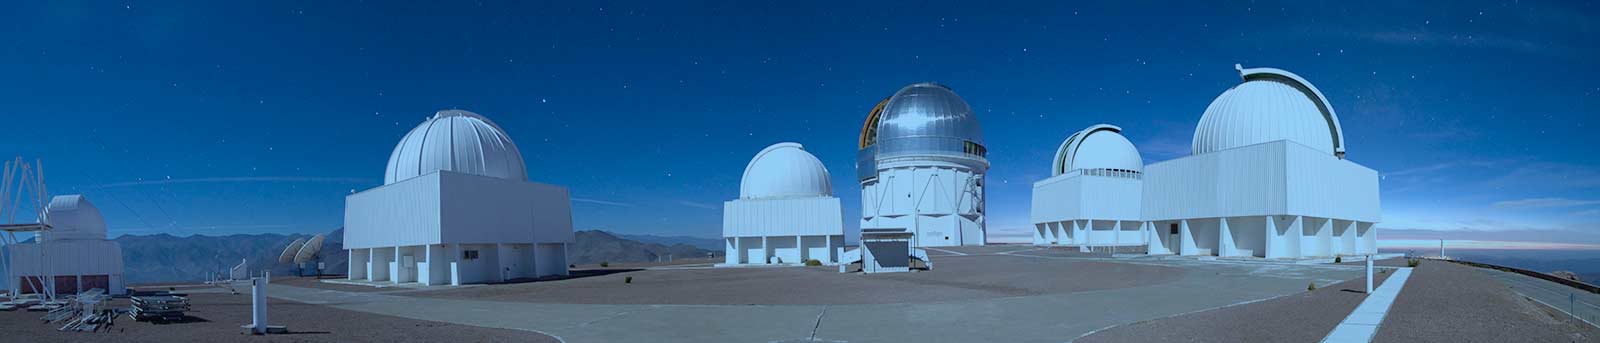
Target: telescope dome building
72, 256
456, 207
1267, 177
786, 212
921, 165
1092, 196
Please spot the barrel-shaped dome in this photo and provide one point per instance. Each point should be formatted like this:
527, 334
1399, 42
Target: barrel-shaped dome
457, 141
925, 119
1269, 105
73, 217
784, 170
1097, 147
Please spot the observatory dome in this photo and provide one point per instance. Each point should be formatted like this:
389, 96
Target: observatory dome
784, 170
72, 217
1269, 105
925, 118
1097, 147
457, 141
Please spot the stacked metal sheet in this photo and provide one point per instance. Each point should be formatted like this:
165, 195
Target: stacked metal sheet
164, 307
87, 311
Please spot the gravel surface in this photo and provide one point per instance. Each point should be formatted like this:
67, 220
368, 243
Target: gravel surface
1446, 302
953, 278
216, 318
1305, 317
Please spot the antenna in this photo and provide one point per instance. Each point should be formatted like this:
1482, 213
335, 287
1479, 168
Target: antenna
309, 251
290, 252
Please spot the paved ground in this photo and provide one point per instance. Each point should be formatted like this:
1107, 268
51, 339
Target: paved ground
1585, 304
216, 317
1447, 302
955, 278
1015, 294
1301, 317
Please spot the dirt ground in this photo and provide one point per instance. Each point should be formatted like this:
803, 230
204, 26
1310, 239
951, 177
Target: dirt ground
216, 317
1305, 317
1448, 302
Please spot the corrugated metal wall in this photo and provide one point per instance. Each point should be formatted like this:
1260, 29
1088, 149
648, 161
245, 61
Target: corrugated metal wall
401, 213
67, 257
814, 216
481, 209
1272, 178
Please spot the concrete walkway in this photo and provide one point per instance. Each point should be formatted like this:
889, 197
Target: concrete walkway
1035, 318
1363, 322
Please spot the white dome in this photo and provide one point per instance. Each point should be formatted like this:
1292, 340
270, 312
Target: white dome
1269, 105
1097, 147
458, 141
72, 217
785, 170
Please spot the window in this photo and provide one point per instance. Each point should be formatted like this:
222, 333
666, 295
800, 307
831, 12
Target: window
469, 254
1173, 229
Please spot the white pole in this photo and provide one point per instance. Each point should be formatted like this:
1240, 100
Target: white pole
1369, 274
258, 303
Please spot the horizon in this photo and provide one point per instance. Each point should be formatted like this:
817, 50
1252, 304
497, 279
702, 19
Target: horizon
183, 121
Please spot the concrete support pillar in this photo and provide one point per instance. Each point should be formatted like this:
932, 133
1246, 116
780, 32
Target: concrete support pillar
1076, 237
1325, 238
455, 264
730, 250
500, 257
1347, 241
832, 258
1296, 235
1274, 244
1116, 234
394, 267
766, 251
1088, 228
805, 252
1186, 244
1225, 244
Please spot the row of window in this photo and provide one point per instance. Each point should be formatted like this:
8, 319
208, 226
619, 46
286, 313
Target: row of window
974, 149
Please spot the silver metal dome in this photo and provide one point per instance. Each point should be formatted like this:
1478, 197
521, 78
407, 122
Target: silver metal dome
927, 119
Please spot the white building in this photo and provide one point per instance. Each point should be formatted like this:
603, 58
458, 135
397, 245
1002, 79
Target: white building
1267, 178
74, 254
921, 165
456, 207
1092, 197
786, 212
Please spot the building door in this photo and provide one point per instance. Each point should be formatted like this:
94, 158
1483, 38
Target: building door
1172, 238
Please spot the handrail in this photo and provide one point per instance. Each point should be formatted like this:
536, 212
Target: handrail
1547, 277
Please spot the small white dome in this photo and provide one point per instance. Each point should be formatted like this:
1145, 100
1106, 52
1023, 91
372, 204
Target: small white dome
1269, 105
458, 141
784, 170
72, 217
1097, 147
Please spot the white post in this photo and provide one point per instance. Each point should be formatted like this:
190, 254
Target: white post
258, 303
1369, 274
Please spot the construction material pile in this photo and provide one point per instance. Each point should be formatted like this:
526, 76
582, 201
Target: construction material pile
159, 307
86, 312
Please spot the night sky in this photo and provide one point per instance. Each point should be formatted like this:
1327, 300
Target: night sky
223, 118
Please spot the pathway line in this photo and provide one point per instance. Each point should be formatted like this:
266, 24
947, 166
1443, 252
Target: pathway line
1363, 323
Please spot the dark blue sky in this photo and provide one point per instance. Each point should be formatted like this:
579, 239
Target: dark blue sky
244, 118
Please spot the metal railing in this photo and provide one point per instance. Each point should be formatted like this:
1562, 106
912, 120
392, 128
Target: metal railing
1117, 173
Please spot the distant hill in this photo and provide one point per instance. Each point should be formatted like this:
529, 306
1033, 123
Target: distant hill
593, 246
713, 244
167, 258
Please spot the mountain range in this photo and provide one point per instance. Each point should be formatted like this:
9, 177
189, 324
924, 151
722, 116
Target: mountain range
162, 258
